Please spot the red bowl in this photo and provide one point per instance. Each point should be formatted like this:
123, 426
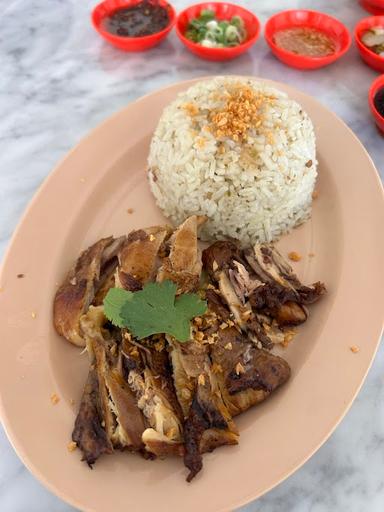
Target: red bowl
312, 19
223, 11
373, 6
129, 44
376, 85
370, 57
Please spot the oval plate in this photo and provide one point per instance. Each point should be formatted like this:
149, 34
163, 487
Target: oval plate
87, 197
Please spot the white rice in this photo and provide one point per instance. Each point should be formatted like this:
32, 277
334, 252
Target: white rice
253, 192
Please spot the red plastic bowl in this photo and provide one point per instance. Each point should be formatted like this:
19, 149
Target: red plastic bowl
373, 6
312, 19
370, 57
223, 11
376, 85
129, 44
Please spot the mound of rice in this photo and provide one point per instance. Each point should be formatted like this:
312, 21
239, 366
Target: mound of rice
238, 151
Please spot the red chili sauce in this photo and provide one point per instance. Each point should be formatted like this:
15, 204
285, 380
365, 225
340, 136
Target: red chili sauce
305, 41
143, 19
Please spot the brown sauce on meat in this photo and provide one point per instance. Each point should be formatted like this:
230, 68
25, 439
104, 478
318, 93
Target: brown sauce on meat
143, 19
305, 41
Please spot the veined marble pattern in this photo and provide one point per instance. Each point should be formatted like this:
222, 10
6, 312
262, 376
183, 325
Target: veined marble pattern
58, 81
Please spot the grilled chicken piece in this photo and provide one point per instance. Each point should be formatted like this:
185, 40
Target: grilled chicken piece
233, 280
270, 266
164, 434
124, 422
208, 423
147, 369
189, 360
260, 280
138, 257
220, 256
88, 279
290, 313
108, 416
158, 362
183, 265
248, 374
89, 433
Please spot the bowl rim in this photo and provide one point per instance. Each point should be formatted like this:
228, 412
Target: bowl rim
121, 39
376, 85
223, 51
268, 33
360, 44
373, 3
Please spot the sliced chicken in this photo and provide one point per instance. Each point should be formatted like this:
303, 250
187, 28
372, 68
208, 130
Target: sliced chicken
245, 374
271, 267
261, 281
108, 416
208, 423
164, 433
158, 396
139, 257
183, 264
89, 433
233, 280
147, 367
90, 274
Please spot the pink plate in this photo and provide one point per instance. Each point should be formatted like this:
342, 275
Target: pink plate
86, 197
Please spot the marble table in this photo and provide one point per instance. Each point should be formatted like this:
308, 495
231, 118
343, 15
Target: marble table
59, 80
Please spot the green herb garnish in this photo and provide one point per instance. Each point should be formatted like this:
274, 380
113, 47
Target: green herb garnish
208, 31
154, 310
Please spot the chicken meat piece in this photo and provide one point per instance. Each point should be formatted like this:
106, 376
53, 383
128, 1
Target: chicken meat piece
183, 264
139, 257
108, 416
164, 434
274, 270
246, 375
89, 433
88, 279
208, 423
146, 363
234, 283
263, 282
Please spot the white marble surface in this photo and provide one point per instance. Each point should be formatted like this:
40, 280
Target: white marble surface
59, 80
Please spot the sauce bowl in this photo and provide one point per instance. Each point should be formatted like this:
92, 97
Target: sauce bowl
311, 19
373, 6
223, 11
375, 87
129, 44
369, 57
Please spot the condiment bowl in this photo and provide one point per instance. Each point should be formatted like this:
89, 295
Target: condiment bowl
373, 6
370, 57
311, 19
375, 87
129, 44
223, 11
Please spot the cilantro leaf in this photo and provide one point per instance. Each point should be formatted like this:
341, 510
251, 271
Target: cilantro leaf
153, 310
114, 301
